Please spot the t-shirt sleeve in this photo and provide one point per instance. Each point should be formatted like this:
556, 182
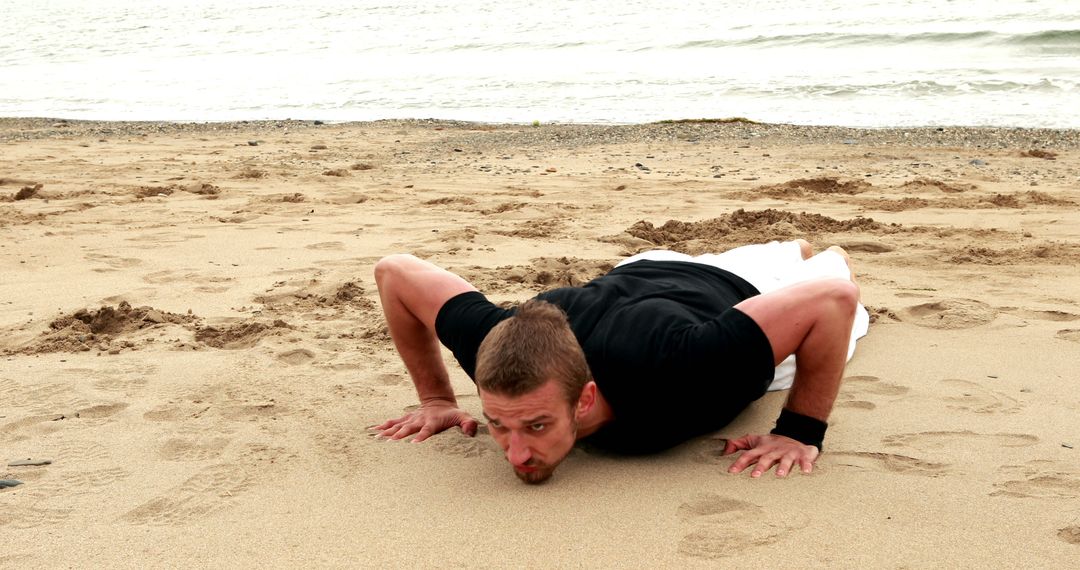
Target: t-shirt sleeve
462, 324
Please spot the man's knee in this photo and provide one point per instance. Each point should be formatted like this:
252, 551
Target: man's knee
843, 294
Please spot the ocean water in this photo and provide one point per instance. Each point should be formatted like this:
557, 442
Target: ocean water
870, 63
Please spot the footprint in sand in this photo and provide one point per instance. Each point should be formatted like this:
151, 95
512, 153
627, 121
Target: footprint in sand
296, 357
867, 247
112, 262
77, 468
19, 395
973, 397
270, 410
208, 491
719, 526
197, 449
1039, 479
344, 452
958, 439
1072, 335
390, 379
876, 462
171, 276
857, 391
950, 314
33, 516
1070, 534
327, 246
38, 424
126, 379
1039, 315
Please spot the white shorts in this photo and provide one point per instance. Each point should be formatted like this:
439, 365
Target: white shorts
768, 267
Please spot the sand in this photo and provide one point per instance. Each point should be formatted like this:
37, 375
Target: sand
190, 332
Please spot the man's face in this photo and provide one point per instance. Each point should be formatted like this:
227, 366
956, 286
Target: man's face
537, 430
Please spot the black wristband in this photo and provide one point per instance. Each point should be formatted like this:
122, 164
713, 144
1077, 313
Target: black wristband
803, 429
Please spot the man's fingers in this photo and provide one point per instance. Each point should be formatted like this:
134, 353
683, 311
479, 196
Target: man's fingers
469, 426
745, 460
807, 464
391, 423
387, 424
765, 462
405, 430
733, 445
784, 467
424, 433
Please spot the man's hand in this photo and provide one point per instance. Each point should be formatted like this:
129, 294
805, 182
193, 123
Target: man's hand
429, 419
764, 451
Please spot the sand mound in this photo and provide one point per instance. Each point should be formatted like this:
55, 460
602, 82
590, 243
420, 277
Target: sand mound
1047, 252
313, 294
950, 314
922, 183
821, 185
103, 329
241, 335
748, 226
543, 274
201, 188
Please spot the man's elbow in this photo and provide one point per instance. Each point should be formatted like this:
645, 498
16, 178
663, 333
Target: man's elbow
390, 266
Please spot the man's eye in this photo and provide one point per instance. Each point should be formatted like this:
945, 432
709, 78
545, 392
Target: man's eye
537, 427
494, 424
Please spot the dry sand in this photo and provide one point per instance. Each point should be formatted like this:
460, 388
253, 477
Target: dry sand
191, 334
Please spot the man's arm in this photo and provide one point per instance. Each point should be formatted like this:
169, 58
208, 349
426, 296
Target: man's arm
412, 292
811, 320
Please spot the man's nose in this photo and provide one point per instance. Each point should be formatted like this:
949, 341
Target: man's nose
517, 452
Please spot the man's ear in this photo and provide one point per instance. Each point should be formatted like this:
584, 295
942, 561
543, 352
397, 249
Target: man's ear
586, 400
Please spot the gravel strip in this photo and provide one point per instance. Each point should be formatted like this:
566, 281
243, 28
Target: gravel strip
490, 137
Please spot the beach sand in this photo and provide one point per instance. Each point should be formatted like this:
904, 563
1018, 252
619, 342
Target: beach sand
192, 335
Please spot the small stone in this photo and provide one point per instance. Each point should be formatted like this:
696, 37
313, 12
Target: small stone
27, 192
253, 143
154, 316
977, 162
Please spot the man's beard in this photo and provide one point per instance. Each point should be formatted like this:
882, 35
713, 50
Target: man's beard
535, 477
543, 471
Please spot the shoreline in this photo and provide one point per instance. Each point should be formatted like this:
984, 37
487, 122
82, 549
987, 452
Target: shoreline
16, 129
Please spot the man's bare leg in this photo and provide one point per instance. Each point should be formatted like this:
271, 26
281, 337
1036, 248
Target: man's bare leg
805, 249
847, 259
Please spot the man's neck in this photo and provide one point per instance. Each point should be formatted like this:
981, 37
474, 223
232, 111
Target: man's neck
596, 417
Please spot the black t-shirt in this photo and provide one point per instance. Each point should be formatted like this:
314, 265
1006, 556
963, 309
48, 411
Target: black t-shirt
664, 344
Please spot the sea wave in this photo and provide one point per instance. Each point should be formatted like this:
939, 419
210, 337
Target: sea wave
1045, 38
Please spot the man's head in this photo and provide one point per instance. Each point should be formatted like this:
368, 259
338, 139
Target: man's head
534, 385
